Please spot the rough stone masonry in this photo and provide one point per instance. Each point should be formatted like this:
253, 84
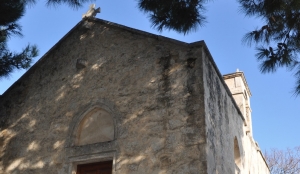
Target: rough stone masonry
106, 92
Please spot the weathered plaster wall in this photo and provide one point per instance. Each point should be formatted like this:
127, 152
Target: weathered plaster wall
254, 160
224, 123
151, 85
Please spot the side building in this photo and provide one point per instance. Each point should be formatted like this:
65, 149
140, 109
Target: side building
118, 100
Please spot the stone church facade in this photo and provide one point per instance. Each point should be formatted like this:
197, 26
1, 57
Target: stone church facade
111, 99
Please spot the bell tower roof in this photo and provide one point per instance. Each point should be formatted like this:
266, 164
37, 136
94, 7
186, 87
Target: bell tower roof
241, 84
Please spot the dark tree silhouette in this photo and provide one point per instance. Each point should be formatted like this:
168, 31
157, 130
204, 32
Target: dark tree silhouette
10, 12
279, 37
182, 16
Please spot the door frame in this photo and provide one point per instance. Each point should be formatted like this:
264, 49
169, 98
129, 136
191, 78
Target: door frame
93, 158
96, 167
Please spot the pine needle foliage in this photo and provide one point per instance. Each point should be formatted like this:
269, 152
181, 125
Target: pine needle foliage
279, 37
72, 3
10, 12
9, 61
182, 16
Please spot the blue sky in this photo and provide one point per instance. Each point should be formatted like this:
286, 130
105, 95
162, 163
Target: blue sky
275, 111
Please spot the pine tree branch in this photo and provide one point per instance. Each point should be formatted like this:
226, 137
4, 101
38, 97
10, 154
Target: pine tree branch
9, 61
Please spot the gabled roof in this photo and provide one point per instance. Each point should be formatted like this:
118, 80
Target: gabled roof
83, 23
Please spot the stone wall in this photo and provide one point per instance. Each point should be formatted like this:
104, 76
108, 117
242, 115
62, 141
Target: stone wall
150, 85
230, 146
254, 159
223, 121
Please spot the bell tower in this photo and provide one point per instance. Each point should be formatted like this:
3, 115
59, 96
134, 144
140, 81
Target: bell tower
240, 91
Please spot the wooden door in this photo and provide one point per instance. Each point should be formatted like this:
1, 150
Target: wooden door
95, 168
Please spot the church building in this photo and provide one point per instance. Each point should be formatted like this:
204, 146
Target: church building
109, 99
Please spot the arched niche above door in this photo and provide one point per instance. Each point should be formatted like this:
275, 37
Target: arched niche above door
95, 127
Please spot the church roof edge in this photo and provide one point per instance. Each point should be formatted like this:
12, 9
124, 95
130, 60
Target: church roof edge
112, 24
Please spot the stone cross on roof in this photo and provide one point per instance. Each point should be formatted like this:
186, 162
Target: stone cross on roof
91, 13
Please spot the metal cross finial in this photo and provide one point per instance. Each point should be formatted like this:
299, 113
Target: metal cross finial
91, 13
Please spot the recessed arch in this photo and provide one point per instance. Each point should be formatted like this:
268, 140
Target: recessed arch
237, 154
98, 151
97, 125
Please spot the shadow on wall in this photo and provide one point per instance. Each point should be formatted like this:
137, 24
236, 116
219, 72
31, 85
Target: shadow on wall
38, 112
